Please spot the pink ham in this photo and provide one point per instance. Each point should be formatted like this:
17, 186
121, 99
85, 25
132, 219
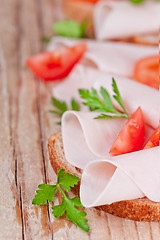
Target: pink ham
133, 93
86, 139
113, 57
125, 177
122, 19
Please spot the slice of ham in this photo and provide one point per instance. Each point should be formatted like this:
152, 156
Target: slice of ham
86, 139
81, 77
113, 57
134, 94
124, 177
122, 19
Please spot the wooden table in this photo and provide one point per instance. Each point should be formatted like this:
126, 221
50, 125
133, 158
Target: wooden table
25, 126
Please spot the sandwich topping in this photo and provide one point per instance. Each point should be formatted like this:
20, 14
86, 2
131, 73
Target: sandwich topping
91, 144
114, 137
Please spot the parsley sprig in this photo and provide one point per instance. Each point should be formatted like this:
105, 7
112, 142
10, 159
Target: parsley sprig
47, 192
103, 103
72, 29
61, 106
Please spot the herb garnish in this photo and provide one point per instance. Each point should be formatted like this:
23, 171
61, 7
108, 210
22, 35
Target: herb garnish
70, 29
62, 106
46, 39
139, 1
47, 193
97, 104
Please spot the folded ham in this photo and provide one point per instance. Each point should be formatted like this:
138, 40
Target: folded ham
125, 177
86, 139
112, 57
134, 94
122, 19
107, 179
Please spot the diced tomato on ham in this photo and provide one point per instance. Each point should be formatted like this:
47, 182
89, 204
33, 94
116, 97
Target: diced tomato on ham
57, 64
154, 139
131, 137
147, 70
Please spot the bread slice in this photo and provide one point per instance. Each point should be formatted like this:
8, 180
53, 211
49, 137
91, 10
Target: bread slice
141, 209
81, 11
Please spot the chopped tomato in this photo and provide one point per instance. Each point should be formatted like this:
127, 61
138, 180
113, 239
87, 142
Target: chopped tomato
147, 70
55, 65
154, 139
131, 137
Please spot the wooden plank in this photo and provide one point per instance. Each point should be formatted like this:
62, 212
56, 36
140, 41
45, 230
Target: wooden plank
144, 230
10, 209
130, 229
19, 97
29, 145
155, 230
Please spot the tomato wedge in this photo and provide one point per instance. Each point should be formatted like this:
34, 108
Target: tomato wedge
55, 65
147, 70
131, 137
154, 139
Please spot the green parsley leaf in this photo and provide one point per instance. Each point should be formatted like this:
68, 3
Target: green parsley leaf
74, 105
46, 39
136, 1
102, 115
66, 180
68, 205
103, 103
73, 214
70, 29
46, 193
139, 1
117, 95
62, 107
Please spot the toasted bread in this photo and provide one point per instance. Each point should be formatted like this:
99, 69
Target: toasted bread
81, 11
141, 209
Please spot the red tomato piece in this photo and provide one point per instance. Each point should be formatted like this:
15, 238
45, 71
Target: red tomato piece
131, 137
154, 139
58, 64
147, 70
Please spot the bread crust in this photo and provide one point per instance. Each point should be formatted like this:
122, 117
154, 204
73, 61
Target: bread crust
81, 11
141, 209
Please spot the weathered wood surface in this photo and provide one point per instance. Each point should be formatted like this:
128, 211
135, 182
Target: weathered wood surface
25, 126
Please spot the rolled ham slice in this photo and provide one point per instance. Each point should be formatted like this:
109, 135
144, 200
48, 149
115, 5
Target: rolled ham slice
122, 19
113, 57
125, 177
86, 139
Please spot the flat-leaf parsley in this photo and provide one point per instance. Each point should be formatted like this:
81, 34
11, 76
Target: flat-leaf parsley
68, 205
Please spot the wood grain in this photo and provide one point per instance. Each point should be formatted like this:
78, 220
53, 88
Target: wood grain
25, 126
